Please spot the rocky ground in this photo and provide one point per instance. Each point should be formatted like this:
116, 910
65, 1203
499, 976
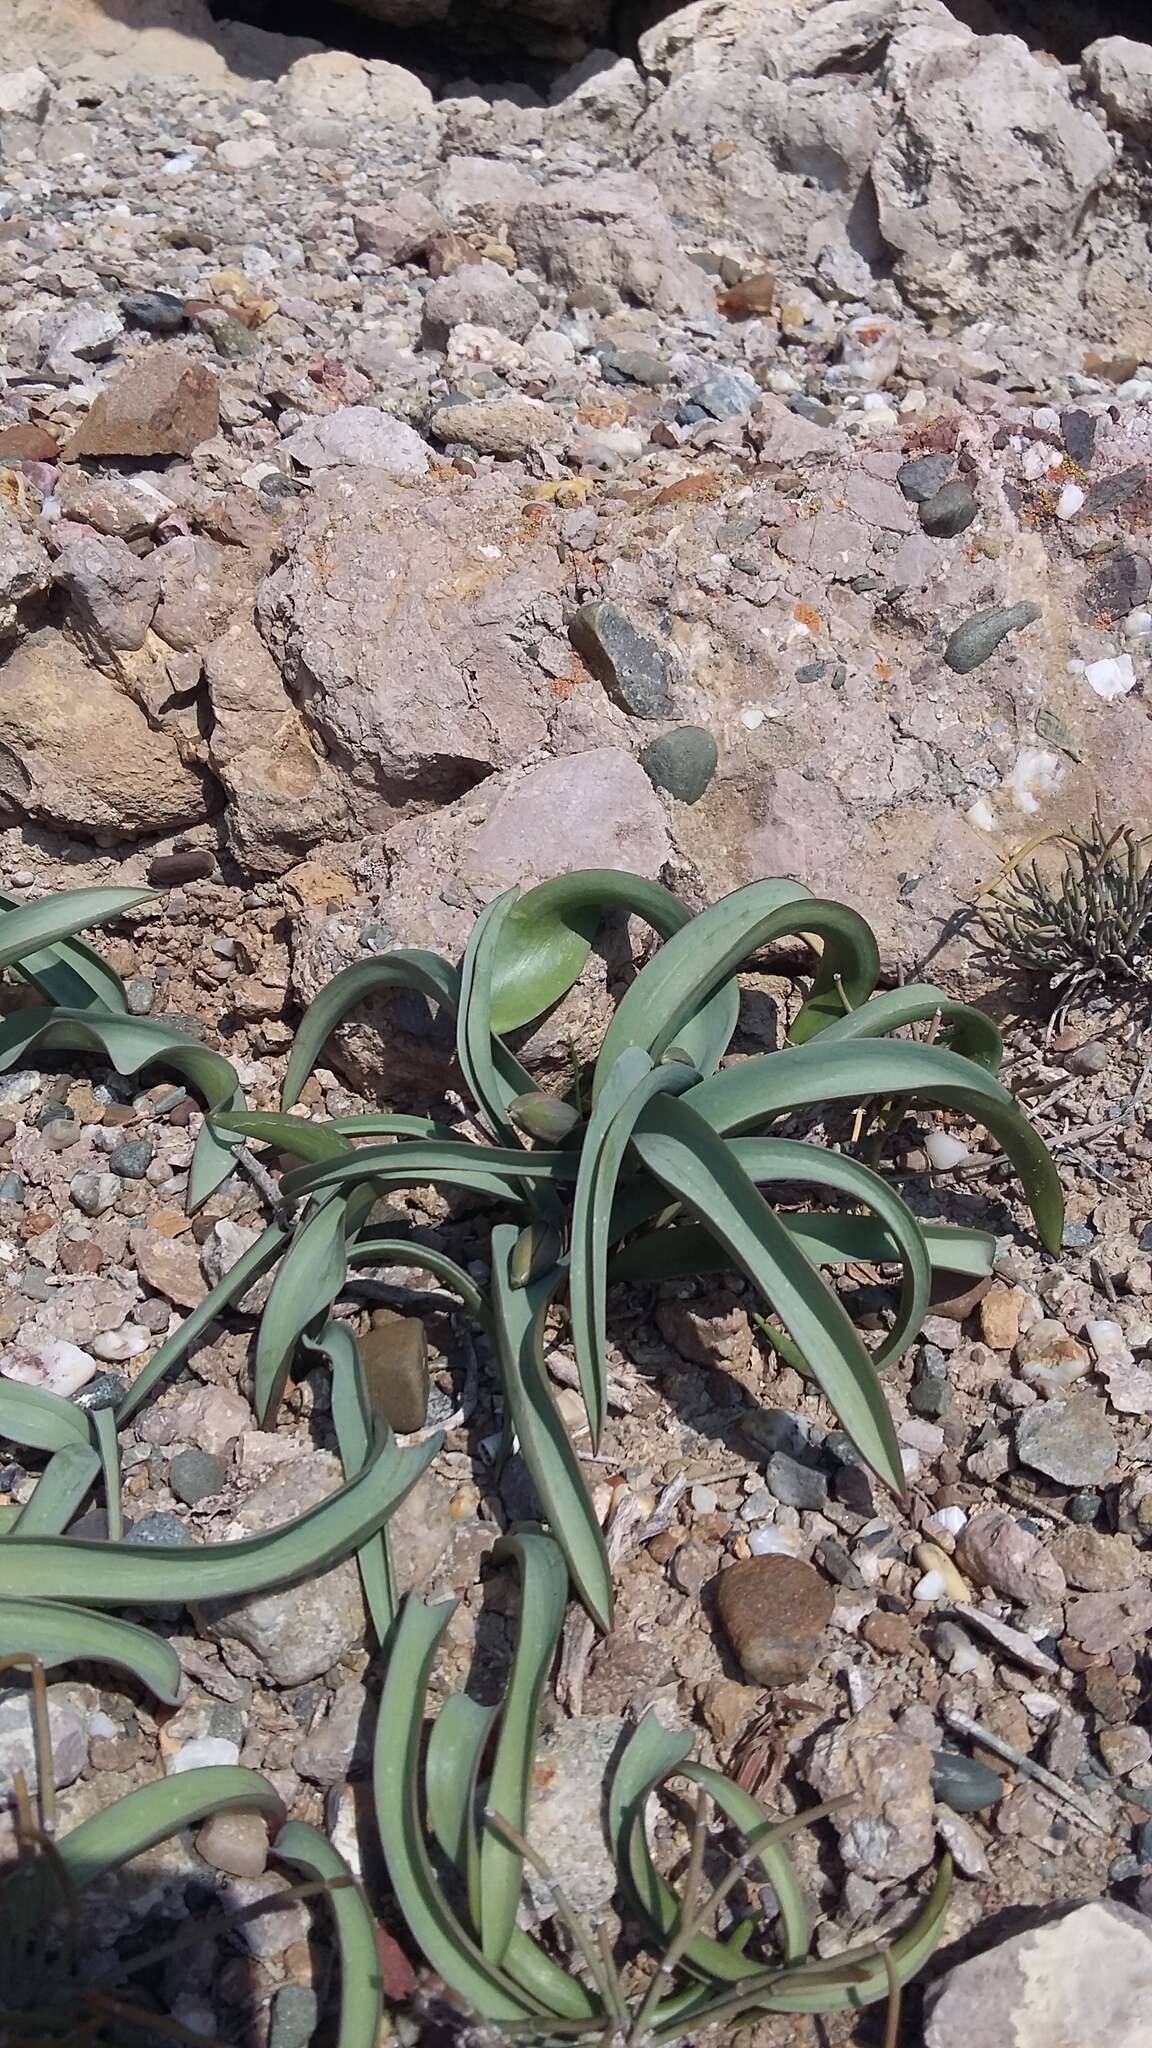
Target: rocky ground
392, 474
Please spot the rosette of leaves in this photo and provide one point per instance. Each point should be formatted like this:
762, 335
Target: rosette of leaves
455, 1825
676, 1164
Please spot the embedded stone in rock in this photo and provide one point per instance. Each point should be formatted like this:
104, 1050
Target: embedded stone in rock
607, 237
162, 403
479, 295
399, 229
1118, 72
511, 426
394, 1351
950, 512
195, 1476
888, 1832
683, 762
977, 639
1083, 1978
1095, 1563
633, 668
572, 1765
773, 1611
171, 1267
1121, 582
359, 437
925, 477
1069, 1441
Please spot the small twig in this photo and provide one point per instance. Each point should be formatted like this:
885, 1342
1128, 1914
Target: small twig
686, 1926
261, 1179
1034, 1507
1059, 1787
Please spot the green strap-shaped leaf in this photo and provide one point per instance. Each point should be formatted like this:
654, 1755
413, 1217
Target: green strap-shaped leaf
156, 1812
519, 1315
352, 1420
404, 1251
543, 1597
474, 1028
310, 1277
547, 936
632, 1083
684, 1153
249, 1267
687, 971
361, 1986
107, 1444
59, 1635
420, 973
139, 1575
34, 926
132, 1044
970, 1033
484, 1169
759, 1089
70, 973
62, 1485
329, 1139
681, 1251
447, 1945
39, 1420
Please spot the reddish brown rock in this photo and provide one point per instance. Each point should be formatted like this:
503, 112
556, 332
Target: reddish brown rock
773, 1611
162, 403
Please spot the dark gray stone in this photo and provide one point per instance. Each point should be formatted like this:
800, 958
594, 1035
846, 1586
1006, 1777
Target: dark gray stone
683, 762
633, 668
160, 1529
107, 1390
1113, 491
973, 643
140, 993
1079, 430
950, 511
796, 1485
196, 1475
634, 366
925, 476
964, 1784
131, 1158
159, 312
1121, 582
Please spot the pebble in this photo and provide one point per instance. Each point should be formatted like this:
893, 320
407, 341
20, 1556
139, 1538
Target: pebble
944, 1151
295, 2017
126, 1342
1112, 677
94, 1192
1084, 1507
931, 1558
924, 478
160, 1529
162, 403
997, 1550
107, 1390
977, 639
196, 1475
236, 1843
1069, 1441
169, 870
683, 762
56, 1367
773, 1611
949, 512
140, 994
206, 1750
963, 1783
633, 668
1070, 501
394, 1352
157, 312
131, 1158
794, 1484
729, 395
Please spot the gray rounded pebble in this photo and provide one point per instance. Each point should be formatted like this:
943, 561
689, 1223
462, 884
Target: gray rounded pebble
11, 1188
926, 476
964, 1784
949, 512
1084, 1507
131, 1158
160, 1529
973, 643
107, 1390
140, 994
158, 312
196, 1475
94, 1192
53, 1113
683, 762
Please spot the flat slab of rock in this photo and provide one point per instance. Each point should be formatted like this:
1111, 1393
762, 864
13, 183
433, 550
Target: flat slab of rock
161, 403
1085, 1978
1069, 1441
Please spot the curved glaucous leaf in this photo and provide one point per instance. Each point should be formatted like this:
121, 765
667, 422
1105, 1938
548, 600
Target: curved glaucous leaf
857, 1978
352, 1421
651, 1756
548, 934
683, 1250
420, 973
484, 1169
474, 1028
519, 1315
33, 927
405, 1251
446, 1943
681, 1150
968, 1032
61, 1487
543, 1598
294, 1134
58, 1634
632, 1083
249, 1267
139, 1575
154, 1813
309, 1278
361, 1985
707, 953
132, 1044
39, 1420
767, 1086
69, 972
107, 1444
